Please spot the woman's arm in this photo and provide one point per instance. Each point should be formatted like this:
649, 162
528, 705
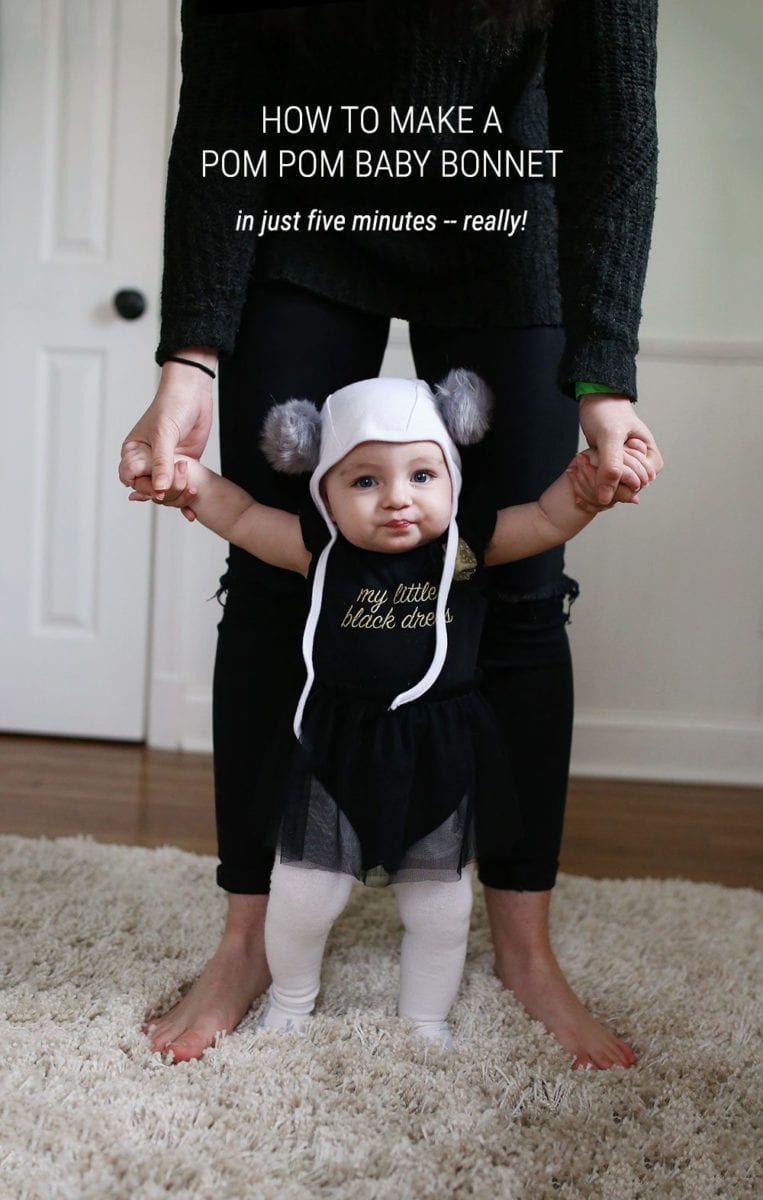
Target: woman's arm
600, 84
207, 263
177, 421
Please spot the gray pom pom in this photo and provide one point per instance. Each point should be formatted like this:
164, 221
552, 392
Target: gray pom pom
465, 403
291, 437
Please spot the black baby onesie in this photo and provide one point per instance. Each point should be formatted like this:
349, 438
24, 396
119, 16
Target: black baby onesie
411, 793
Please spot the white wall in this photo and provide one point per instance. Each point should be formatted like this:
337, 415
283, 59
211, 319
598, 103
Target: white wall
668, 632
707, 255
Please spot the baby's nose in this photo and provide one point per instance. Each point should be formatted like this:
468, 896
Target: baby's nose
398, 494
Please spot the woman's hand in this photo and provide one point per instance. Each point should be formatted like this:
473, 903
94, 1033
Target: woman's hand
178, 421
609, 423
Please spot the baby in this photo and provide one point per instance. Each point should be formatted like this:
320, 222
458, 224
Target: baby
394, 772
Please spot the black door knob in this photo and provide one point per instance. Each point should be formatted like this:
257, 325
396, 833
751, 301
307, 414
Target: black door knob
130, 303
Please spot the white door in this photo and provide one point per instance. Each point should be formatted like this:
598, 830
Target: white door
83, 142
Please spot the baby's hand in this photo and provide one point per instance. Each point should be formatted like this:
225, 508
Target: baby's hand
178, 495
582, 473
638, 472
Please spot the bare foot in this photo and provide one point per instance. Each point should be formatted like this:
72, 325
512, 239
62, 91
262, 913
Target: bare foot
526, 964
541, 987
224, 992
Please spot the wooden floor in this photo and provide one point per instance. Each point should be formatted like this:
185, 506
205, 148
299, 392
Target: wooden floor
117, 792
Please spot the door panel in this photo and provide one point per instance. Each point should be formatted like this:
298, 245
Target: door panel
83, 143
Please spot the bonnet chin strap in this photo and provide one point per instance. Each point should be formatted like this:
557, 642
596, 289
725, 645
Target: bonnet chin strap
446, 579
441, 632
308, 637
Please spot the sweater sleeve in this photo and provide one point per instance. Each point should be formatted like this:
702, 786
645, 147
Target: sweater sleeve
600, 84
206, 264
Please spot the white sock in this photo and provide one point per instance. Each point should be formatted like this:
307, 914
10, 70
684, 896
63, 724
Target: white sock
275, 1016
434, 1031
436, 920
303, 905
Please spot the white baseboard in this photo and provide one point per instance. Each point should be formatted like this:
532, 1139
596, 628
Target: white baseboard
633, 746
604, 746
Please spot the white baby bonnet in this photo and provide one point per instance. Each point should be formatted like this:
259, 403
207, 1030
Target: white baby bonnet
297, 437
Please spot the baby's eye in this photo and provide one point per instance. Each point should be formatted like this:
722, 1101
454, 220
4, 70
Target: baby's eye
422, 476
364, 481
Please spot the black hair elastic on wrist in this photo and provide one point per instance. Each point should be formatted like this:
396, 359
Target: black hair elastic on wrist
190, 362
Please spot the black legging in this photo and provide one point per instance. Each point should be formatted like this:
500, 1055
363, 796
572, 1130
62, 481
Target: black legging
295, 343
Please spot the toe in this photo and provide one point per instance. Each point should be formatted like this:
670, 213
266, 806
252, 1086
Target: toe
626, 1054
613, 1053
160, 1042
581, 1061
187, 1047
161, 1034
602, 1061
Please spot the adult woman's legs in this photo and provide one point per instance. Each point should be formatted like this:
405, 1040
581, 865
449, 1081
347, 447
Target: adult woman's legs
291, 343
526, 662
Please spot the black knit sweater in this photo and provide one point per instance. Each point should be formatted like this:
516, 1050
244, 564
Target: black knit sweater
585, 88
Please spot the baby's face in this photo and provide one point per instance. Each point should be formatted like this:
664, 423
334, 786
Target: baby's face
390, 496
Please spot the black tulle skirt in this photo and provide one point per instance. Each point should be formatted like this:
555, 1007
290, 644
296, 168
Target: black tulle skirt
386, 796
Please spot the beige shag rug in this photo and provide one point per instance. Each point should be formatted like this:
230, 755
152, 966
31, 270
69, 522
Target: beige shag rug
96, 935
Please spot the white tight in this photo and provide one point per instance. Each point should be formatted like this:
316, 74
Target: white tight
304, 904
